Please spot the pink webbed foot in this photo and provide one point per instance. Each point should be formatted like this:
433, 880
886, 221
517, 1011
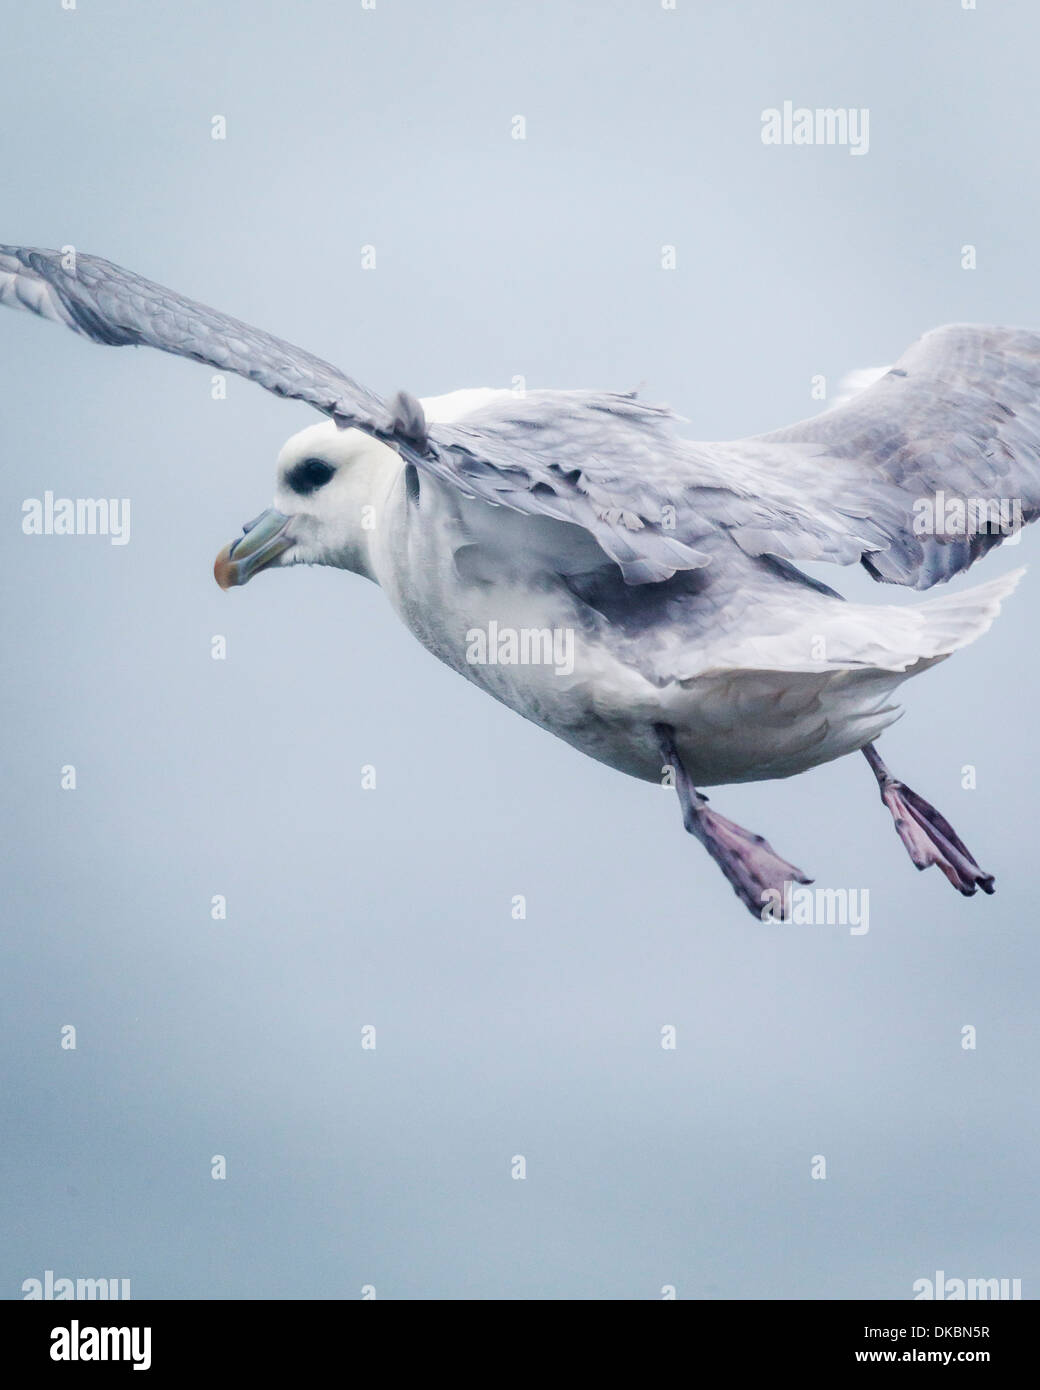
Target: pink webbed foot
758, 875
928, 836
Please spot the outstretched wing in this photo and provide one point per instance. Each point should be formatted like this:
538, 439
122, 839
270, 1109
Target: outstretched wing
109, 305
916, 476
947, 442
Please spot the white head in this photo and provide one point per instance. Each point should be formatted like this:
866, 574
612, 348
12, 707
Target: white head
326, 478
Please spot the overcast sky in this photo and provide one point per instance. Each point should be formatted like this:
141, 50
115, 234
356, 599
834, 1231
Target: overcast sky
392, 127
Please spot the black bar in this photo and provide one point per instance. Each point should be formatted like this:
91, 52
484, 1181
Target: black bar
206, 1339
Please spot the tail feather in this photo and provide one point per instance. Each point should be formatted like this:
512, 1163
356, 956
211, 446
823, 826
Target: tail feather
910, 638
954, 620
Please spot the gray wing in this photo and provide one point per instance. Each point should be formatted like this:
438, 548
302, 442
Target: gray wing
957, 418
916, 477
109, 305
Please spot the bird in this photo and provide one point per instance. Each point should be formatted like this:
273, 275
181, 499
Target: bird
634, 592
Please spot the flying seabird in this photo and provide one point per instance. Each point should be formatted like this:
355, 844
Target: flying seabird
634, 592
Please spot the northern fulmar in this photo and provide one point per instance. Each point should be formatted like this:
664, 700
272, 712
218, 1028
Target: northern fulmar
632, 591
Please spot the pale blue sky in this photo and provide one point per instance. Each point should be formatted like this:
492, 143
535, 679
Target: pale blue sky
496, 257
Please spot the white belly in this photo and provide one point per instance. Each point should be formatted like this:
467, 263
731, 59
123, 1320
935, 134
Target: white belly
520, 639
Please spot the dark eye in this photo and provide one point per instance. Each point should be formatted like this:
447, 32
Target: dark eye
308, 476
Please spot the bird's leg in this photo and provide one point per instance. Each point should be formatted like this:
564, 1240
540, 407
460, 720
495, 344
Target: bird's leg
758, 875
929, 837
